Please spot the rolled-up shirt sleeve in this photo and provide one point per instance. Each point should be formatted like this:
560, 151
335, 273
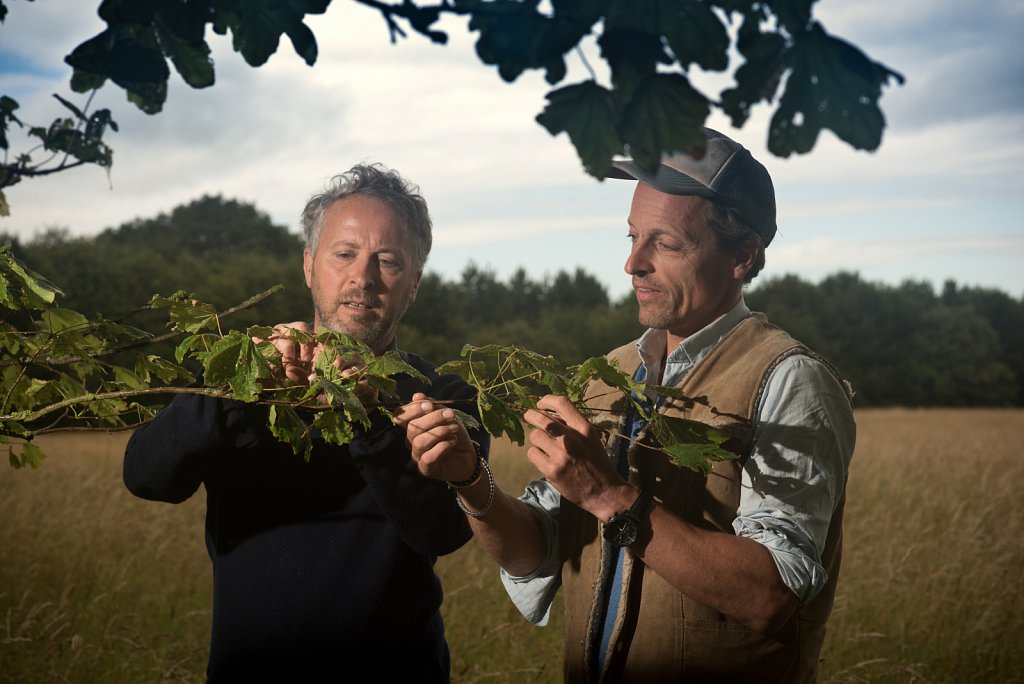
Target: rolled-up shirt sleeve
804, 436
533, 594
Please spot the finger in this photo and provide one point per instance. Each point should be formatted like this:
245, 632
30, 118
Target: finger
565, 411
430, 440
350, 361
414, 411
545, 423
307, 353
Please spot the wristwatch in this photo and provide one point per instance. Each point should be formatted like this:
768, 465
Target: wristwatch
624, 528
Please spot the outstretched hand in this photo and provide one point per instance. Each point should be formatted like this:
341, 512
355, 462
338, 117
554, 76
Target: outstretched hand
438, 442
567, 450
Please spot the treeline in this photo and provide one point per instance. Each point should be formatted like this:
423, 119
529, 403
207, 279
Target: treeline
906, 345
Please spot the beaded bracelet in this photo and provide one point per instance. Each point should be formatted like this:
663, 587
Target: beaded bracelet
472, 479
490, 492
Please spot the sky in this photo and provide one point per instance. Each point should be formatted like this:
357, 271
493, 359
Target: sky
942, 198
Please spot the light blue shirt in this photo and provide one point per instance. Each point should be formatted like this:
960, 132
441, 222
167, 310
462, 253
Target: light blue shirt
804, 436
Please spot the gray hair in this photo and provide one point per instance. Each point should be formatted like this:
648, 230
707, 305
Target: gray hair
732, 233
380, 182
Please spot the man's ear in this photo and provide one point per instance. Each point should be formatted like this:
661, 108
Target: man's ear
307, 266
746, 257
415, 286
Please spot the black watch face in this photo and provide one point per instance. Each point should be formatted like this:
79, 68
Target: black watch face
621, 531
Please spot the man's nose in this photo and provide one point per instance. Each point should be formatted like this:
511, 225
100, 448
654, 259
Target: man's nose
364, 273
637, 263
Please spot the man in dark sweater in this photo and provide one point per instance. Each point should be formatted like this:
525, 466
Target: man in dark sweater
323, 570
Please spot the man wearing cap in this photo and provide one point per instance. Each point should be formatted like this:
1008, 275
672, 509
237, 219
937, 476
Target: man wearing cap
670, 574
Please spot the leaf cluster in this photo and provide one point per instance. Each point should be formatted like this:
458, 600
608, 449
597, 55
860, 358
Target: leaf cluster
70, 140
57, 373
509, 380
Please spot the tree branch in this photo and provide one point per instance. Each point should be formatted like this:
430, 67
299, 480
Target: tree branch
247, 304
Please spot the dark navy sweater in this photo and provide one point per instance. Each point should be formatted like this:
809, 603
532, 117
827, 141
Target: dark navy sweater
322, 571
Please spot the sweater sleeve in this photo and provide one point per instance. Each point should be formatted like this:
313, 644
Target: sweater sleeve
423, 510
167, 459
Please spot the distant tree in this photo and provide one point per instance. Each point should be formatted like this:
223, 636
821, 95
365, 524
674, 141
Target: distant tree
221, 250
897, 345
578, 291
813, 79
210, 225
954, 360
1006, 316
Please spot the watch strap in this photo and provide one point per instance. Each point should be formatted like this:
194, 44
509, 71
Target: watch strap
640, 507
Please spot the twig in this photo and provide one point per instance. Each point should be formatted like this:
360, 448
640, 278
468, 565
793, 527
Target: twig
249, 303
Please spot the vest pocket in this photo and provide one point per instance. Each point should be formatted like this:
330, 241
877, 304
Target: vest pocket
728, 652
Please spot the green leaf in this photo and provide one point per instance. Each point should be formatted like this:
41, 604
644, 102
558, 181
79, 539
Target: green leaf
514, 36
31, 456
186, 313
467, 420
74, 110
498, 418
191, 345
221, 361
129, 56
304, 42
191, 59
391, 363
338, 395
695, 34
149, 365
34, 291
257, 26
689, 443
586, 113
665, 114
286, 425
60, 320
262, 332
250, 367
758, 78
129, 379
470, 371
333, 427
832, 85
600, 368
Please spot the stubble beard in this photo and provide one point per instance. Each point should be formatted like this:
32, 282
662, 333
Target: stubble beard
375, 332
661, 315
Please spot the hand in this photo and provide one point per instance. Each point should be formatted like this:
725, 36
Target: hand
295, 367
438, 442
567, 449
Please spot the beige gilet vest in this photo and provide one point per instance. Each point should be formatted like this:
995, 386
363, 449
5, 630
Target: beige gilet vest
660, 634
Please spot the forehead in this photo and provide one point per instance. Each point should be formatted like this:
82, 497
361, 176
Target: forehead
366, 221
681, 215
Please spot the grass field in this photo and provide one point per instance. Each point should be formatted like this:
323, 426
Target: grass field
96, 586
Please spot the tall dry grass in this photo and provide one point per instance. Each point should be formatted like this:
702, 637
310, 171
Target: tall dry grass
932, 583
97, 586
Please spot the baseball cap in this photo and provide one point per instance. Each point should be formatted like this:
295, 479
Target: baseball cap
726, 174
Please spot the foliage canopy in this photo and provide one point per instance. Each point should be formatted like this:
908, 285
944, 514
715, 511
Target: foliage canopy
815, 80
